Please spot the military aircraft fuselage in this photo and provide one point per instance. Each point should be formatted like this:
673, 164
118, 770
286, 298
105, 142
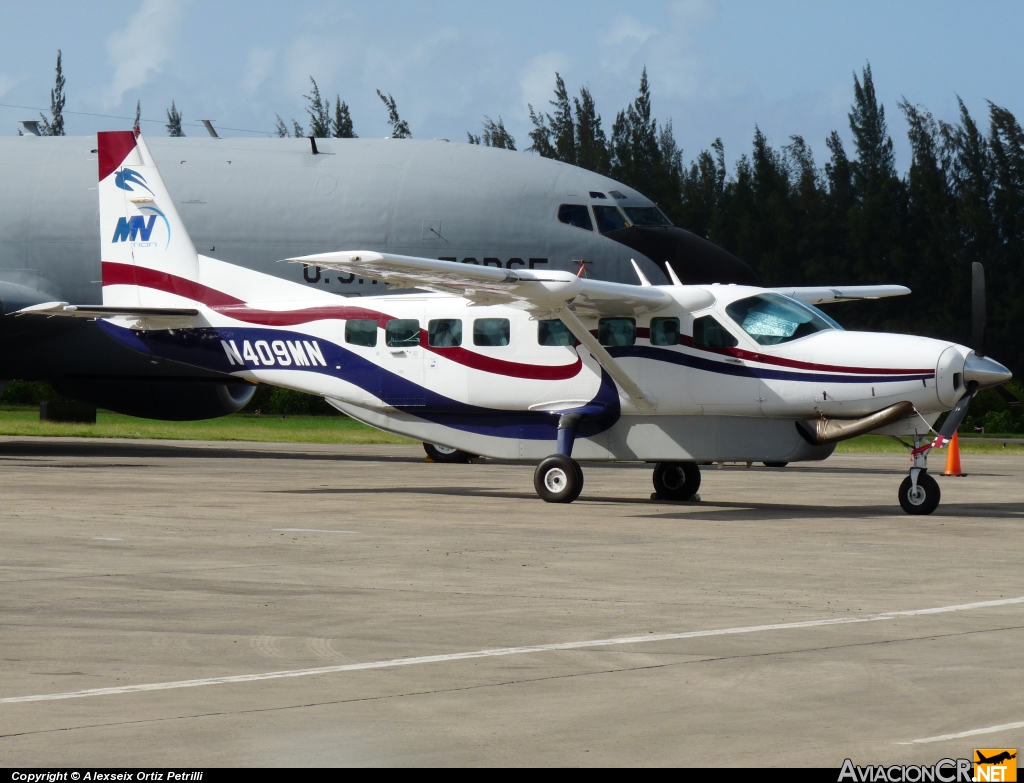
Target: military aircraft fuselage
253, 202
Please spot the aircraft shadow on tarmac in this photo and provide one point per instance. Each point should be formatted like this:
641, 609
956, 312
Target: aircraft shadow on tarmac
760, 512
27, 449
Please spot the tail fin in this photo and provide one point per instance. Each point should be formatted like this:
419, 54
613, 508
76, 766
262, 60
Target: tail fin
148, 258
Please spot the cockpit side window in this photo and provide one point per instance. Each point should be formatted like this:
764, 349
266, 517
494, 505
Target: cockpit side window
708, 333
647, 216
609, 219
772, 319
575, 215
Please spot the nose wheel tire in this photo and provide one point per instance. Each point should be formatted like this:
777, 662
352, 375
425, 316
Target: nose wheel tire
676, 480
775, 464
558, 479
925, 500
440, 453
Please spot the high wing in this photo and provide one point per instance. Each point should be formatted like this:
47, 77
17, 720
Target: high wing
140, 317
535, 291
553, 294
842, 293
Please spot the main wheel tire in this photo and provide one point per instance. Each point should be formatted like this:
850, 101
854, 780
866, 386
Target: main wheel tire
926, 500
440, 453
775, 464
676, 480
558, 479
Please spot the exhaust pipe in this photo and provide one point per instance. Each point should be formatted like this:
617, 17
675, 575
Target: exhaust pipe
820, 431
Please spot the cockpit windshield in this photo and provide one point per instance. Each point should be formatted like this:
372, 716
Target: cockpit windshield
772, 319
647, 216
609, 219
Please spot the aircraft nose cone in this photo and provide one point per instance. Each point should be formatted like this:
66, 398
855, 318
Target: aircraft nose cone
984, 371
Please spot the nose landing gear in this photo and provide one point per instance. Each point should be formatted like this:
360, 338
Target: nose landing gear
919, 492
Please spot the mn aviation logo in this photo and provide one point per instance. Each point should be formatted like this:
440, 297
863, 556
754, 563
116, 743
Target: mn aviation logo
138, 229
125, 178
995, 764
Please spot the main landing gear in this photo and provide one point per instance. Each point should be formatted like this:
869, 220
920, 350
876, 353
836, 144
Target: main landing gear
439, 453
676, 480
919, 492
559, 478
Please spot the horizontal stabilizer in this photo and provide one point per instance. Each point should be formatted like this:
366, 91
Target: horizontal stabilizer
533, 290
143, 317
842, 293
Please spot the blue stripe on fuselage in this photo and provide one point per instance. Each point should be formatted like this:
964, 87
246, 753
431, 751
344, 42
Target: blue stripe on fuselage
745, 371
203, 348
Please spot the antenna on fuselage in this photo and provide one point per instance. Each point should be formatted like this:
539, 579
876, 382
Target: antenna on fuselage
644, 282
672, 274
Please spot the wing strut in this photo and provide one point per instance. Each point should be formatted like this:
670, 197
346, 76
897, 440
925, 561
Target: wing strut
643, 401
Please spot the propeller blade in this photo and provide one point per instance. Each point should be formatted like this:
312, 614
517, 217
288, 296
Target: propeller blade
956, 416
978, 308
1011, 399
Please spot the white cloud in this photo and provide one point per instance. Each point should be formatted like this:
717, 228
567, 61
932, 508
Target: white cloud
258, 67
7, 82
621, 42
537, 80
142, 48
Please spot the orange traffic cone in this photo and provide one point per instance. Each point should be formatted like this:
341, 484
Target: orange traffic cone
953, 458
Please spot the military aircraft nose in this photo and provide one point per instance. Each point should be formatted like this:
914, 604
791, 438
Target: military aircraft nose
693, 258
984, 371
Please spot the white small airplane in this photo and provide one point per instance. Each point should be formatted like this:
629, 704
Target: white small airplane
532, 365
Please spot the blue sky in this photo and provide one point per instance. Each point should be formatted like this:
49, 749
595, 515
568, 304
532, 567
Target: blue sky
716, 68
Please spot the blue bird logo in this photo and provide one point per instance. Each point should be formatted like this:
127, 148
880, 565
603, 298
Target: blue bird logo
125, 178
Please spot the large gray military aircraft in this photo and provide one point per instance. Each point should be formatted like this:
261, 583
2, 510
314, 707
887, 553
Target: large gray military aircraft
255, 202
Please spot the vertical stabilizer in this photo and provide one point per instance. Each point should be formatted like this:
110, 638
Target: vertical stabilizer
148, 257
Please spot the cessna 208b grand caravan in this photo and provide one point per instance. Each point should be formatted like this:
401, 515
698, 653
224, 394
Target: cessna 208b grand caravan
530, 364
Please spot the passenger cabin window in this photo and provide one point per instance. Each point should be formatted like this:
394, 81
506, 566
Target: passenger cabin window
708, 333
444, 333
575, 215
402, 333
609, 219
554, 333
664, 331
647, 216
596, 194
491, 331
361, 332
772, 319
616, 331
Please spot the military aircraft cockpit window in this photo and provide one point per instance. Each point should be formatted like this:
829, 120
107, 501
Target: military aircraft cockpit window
616, 194
609, 219
597, 194
491, 331
664, 331
444, 333
772, 319
575, 215
647, 216
616, 331
708, 333
402, 333
361, 332
554, 333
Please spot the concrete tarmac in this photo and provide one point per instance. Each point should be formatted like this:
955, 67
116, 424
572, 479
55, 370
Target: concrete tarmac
387, 601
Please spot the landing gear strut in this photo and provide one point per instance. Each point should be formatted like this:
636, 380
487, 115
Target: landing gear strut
559, 478
919, 492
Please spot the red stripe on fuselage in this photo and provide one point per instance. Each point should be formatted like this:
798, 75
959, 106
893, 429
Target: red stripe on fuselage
126, 274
